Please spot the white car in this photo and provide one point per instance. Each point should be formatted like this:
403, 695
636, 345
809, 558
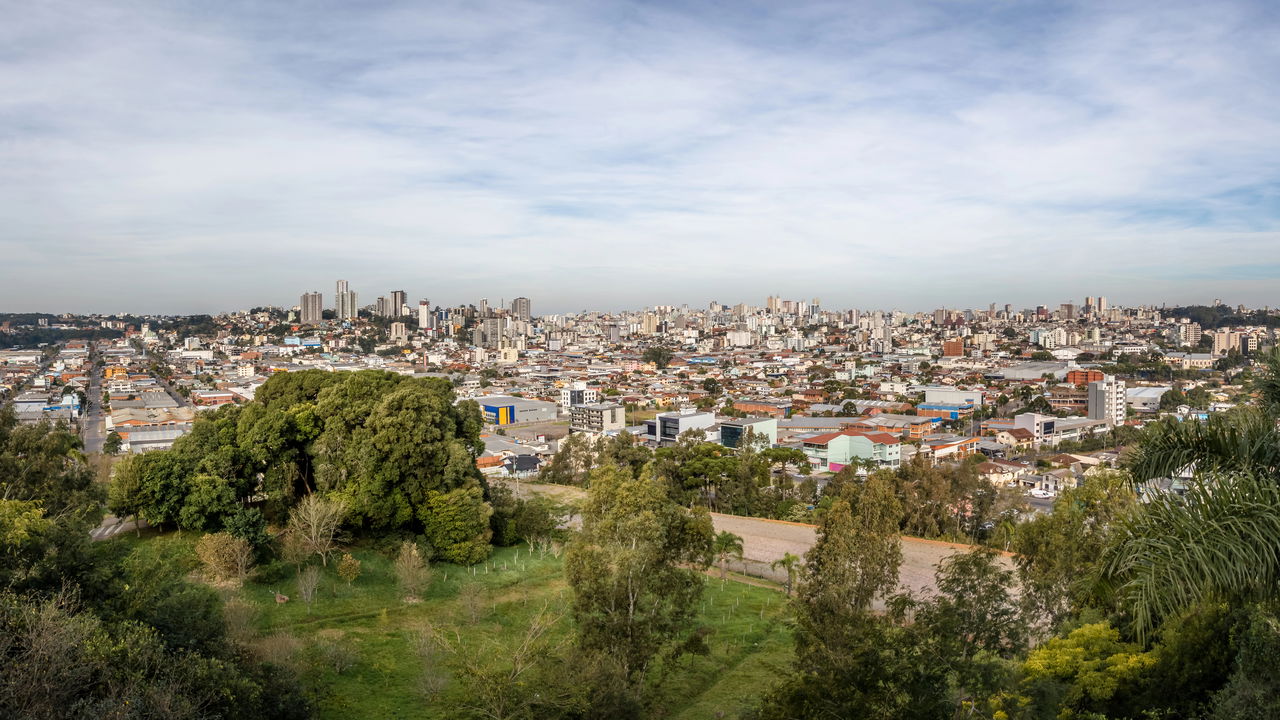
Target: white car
1042, 494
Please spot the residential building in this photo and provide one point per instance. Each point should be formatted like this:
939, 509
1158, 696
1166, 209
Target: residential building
521, 309
399, 299
345, 305
578, 393
598, 418
1107, 400
312, 308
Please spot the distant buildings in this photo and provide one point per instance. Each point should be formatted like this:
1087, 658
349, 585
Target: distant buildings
345, 305
312, 308
521, 309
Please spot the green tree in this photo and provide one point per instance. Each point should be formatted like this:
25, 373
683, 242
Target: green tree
790, 564
456, 524
635, 572
726, 546
1059, 553
851, 663
659, 356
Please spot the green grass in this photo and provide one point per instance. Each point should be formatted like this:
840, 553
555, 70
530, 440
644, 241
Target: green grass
749, 646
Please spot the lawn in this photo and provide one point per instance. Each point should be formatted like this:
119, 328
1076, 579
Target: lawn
750, 644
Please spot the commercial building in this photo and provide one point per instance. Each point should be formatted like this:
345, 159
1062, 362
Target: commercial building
597, 418
1145, 399
733, 431
953, 347
764, 407
522, 309
509, 410
666, 427
945, 411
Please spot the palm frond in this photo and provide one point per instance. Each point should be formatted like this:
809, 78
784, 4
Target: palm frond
1267, 384
1220, 540
1244, 440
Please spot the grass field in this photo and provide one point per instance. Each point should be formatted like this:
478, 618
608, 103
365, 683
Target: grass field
750, 643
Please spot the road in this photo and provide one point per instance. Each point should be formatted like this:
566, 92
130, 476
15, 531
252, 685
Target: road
93, 429
764, 541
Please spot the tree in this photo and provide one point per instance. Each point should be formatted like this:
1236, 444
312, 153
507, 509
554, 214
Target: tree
349, 568
634, 570
1225, 522
849, 662
1219, 541
111, 445
225, 556
308, 583
412, 572
791, 565
456, 524
726, 545
313, 525
975, 621
1058, 553
659, 356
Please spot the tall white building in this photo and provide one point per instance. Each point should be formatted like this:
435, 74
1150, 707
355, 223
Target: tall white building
424, 314
1107, 400
345, 306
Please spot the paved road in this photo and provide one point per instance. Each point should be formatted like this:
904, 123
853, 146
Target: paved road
764, 541
94, 431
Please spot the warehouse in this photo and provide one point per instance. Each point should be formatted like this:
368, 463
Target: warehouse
511, 410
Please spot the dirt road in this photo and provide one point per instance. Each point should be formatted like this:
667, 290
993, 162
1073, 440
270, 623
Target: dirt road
764, 541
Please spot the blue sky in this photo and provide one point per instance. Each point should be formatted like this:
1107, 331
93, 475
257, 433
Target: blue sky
196, 157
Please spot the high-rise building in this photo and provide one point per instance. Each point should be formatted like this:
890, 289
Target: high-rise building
382, 307
424, 314
399, 333
345, 306
1102, 304
398, 300
521, 309
1107, 400
312, 307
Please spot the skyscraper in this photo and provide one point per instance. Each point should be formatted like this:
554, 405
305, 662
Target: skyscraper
345, 306
312, 308
399, 299
521, 309
424, 314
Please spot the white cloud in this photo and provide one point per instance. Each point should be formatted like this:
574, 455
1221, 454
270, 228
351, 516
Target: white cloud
606, 155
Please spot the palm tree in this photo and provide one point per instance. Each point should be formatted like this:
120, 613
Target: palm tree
1220, 540
791, 563
725, 546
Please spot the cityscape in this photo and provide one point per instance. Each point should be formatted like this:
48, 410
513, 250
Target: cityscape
640, 360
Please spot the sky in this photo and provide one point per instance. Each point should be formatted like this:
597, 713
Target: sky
184, 157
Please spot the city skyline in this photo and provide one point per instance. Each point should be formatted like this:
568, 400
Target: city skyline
180, 159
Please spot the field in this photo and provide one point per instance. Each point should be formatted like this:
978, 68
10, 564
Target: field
369, 627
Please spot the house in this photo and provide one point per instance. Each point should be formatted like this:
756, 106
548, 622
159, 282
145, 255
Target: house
1018, 438
833, 451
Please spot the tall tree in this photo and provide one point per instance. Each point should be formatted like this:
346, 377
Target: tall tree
634, 569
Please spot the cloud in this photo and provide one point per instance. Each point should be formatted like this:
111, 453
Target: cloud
195, 157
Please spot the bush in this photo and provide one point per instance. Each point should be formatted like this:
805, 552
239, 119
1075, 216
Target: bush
412, 572
225, 556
